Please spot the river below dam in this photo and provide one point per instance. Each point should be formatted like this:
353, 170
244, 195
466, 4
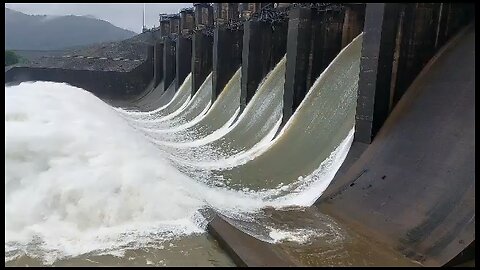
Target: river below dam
87, 183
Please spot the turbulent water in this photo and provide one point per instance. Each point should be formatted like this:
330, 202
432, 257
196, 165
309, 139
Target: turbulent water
83, 178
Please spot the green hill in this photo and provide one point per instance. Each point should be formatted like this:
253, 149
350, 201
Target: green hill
41, 32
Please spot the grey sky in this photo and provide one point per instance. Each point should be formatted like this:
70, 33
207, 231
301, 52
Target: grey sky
128, 16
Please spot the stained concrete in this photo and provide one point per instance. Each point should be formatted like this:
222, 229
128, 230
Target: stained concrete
413, 187
418, 216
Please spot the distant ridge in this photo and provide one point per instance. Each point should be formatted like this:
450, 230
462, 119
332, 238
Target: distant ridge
41, 32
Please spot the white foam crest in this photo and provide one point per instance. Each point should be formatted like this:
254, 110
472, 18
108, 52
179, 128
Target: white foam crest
237, 159
173, 123
217, 134
78, 179
77, 175
141, 121
210, 157
166, 121
132, 113
173, 129
299, 235
188, 124
174, 138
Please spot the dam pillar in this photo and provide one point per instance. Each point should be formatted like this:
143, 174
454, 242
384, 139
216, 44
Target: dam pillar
227, 57
158, 63
256, 58
279, 42
150, 61
227, 45
326, 41
298, 50
201, 59
184, 46
417, 42
169, 61
353, 22
202, 44
375, 69
184, 59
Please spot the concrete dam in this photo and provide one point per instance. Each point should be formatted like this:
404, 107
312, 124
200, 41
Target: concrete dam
253, 134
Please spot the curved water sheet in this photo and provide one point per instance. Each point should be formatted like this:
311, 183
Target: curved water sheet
81, 185
149, 90
156, 115
154, 99
150, 96
218, 118
162, 97
128, 103
319, 125
255, 127
153, 103
180, 100
197, 107
80, 182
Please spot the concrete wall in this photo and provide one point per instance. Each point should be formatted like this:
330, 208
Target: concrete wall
169, 61
158, 63
110, 85
184, 59
399, 39
227, 57
263, 47
314, 39
201, 59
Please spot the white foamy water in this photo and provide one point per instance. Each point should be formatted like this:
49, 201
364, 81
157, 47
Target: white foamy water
79, 179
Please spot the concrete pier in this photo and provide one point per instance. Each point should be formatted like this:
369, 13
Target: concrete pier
326, 41
158, 63
375, 69
257, 54
314, 39
225, 12
169, 61
298, 51
203, 15
417, 42
257, 43
264, 44
202, 45
227, 46
227, 57
164, 25
352, 22
279, 42
184, 46
201, 59
184, 59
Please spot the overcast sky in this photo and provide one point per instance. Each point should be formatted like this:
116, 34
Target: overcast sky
128, 16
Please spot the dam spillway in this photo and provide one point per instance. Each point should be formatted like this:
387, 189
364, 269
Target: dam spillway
140, 174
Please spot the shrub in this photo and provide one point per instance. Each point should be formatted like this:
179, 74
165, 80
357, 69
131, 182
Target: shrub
11, 58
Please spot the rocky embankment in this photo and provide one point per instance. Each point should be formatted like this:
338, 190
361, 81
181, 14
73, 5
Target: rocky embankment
121, 56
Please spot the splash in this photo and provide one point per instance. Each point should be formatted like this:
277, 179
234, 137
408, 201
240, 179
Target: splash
74, 186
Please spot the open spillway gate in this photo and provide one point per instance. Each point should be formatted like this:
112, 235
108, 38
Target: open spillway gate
408, 180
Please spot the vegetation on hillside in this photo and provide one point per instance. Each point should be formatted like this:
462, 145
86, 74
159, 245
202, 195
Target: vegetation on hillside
40, 32
11, 58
